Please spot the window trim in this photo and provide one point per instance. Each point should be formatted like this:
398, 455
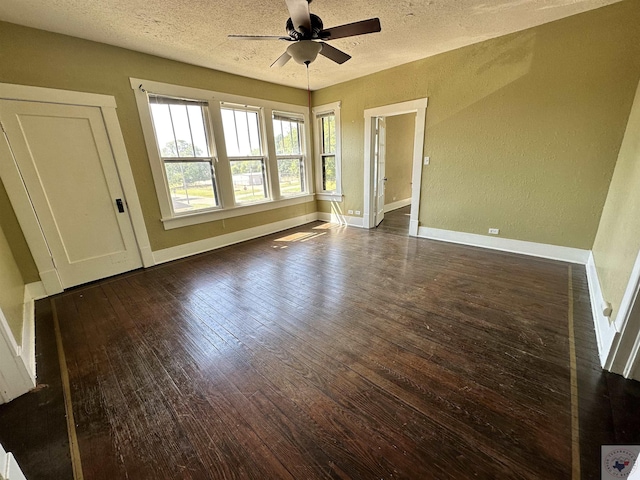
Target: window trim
322, 110
263, 157
228, 208
211, 158
303, 156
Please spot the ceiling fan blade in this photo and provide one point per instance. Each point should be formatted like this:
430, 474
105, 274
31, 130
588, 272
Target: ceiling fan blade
282, 59
332, 53
350, 29
257, 37
299, 12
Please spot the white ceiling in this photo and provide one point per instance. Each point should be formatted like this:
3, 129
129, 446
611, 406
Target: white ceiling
195, 31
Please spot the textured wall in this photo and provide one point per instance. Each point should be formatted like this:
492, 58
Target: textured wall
9, 224
11, 289
399, 159
523, 131
35, 57
618, 239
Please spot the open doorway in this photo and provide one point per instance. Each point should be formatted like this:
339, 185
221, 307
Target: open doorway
393, 149
388, 187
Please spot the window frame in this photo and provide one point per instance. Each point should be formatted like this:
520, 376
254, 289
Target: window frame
209, 158
228, 207
318, 113
263, 157
301, 157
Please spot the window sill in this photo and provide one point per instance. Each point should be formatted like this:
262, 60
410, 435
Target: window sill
210, 216
330, 197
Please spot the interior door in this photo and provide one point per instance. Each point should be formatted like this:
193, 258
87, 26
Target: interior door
381, 178
66, 162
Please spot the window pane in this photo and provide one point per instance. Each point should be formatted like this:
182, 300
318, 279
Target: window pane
328, 173
290, 173
182, 130
249, 181
164, 130
329, 134
241, 132
198, 131
254, 133
287, 137
191, 185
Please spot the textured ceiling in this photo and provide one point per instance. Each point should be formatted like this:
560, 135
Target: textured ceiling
195, 31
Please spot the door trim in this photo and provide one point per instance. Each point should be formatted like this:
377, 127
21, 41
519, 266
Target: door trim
419, 107
16, 190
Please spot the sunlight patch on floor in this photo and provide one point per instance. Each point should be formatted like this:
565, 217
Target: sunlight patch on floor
300, 237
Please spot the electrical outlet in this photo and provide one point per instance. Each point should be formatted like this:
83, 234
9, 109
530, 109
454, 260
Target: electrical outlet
494, 231
357, 212
350, 212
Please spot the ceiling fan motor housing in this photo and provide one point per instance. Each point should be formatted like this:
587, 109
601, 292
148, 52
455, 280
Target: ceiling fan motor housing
316, 28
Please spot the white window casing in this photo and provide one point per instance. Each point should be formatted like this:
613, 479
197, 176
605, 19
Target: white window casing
290, 139
222, 176
320, 112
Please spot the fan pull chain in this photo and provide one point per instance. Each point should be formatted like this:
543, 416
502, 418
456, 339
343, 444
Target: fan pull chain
308, 87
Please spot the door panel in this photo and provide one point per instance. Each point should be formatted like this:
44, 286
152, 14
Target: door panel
65, 159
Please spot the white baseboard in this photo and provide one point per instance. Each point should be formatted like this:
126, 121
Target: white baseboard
390, 207
147, 257
605, 330
414, 227
18, 362
32, 292
201, 246
543, 250
341, 219
51, 281
9, 468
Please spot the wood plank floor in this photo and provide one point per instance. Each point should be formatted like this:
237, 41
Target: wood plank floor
396, 221
331, 352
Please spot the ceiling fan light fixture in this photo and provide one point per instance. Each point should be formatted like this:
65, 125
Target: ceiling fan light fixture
304, 51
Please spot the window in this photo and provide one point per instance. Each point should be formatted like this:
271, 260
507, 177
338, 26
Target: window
216, 155
328, 164
328, 152
182, 138
244, 151
288, 132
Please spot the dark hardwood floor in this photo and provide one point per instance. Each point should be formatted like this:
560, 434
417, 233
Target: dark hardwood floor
330, 352
396, 221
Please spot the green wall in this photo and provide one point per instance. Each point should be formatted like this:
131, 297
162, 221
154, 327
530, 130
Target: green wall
35, 57
523, 131
618, 239
11, 289
13, 233
400, 133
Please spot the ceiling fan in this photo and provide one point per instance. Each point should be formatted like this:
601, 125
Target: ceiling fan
306, 32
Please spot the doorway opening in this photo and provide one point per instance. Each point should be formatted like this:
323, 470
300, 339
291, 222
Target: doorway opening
393, 149
394, 135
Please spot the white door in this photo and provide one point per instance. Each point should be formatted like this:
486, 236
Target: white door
381, 179
67, 165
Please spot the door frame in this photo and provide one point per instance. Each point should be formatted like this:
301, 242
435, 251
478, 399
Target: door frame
419, 107
623, 356
19, 197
